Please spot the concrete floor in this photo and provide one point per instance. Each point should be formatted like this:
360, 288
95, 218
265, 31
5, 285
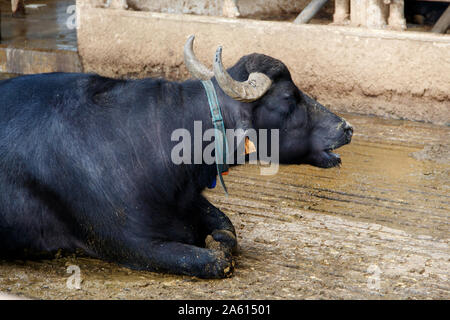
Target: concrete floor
44, 27
377, 228
41, 41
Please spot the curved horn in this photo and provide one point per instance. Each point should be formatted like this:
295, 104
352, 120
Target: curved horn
195, 67
252, 89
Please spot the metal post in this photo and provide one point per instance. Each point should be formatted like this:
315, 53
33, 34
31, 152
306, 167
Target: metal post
443, 23
310, 11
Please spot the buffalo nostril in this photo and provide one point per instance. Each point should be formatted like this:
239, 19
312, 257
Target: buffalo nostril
348, 129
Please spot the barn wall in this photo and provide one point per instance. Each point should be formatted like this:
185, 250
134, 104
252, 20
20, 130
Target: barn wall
213, 7
386, 73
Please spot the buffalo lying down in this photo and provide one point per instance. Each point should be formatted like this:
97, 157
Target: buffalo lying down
85, 161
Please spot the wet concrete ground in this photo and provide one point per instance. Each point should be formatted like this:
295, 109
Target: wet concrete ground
376, 228
4, 76
44, 26
44, 40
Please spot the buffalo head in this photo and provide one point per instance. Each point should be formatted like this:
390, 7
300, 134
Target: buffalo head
268, 99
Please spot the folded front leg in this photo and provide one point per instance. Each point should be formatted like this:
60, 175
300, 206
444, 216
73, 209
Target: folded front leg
220, 232
180, 258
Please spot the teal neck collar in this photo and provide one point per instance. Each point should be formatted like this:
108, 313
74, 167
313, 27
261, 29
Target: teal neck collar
220, 137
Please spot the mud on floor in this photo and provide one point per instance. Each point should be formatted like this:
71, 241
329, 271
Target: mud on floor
376, 228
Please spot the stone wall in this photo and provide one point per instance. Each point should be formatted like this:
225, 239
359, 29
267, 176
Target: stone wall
380, 72
210, 7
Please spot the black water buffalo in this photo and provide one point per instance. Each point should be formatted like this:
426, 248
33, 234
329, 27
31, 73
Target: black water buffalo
85, 161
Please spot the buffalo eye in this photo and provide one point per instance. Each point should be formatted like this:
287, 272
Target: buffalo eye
289, 102
288, 96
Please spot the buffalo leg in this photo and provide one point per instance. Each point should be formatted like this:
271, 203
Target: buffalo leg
180, 258
396, 15
18, 8
220, 232
342, 11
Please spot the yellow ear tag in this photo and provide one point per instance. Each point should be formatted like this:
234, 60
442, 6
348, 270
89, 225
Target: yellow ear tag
249, 146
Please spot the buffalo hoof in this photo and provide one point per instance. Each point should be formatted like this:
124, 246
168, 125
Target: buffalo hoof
223, 240
223, 265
